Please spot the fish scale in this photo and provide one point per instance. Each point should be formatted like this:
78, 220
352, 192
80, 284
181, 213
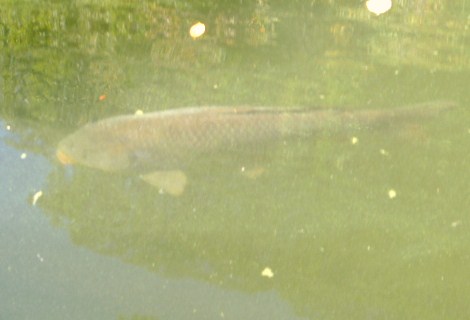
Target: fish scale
174, 138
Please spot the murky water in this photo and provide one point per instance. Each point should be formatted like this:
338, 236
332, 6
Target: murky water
360, 224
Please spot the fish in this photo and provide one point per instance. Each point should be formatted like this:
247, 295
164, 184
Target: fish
161, 145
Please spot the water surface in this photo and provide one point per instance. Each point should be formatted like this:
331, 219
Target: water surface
366, 224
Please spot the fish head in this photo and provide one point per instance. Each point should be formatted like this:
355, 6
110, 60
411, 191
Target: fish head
91, 147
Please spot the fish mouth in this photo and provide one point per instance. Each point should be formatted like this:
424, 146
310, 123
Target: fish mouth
64, 158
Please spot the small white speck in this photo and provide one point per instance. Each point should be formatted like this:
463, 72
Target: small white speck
36, 196
383, 152
9, 128
41, 259
23, 155
267, 272
392, 193
139, 112
456, 223
354, 140
396, 72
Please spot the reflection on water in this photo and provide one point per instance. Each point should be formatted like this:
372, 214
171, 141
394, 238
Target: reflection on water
55, 264
361, 224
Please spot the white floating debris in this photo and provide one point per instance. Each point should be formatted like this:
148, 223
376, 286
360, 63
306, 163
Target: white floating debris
8, 127
197, 30
379, 6
354, 140
383, 152
455, 224
267, 272
392, 193
138, 112
36, 196
41, 259
23, 155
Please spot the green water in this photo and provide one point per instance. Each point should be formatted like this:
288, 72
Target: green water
365, 224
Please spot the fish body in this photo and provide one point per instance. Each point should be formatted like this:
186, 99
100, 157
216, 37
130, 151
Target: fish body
176, 137
173, 139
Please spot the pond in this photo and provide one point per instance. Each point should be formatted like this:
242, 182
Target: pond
363, 219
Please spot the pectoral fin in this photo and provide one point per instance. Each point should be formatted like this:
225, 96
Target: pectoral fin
172, 182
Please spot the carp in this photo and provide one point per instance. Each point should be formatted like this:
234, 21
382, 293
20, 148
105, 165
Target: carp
160, 145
